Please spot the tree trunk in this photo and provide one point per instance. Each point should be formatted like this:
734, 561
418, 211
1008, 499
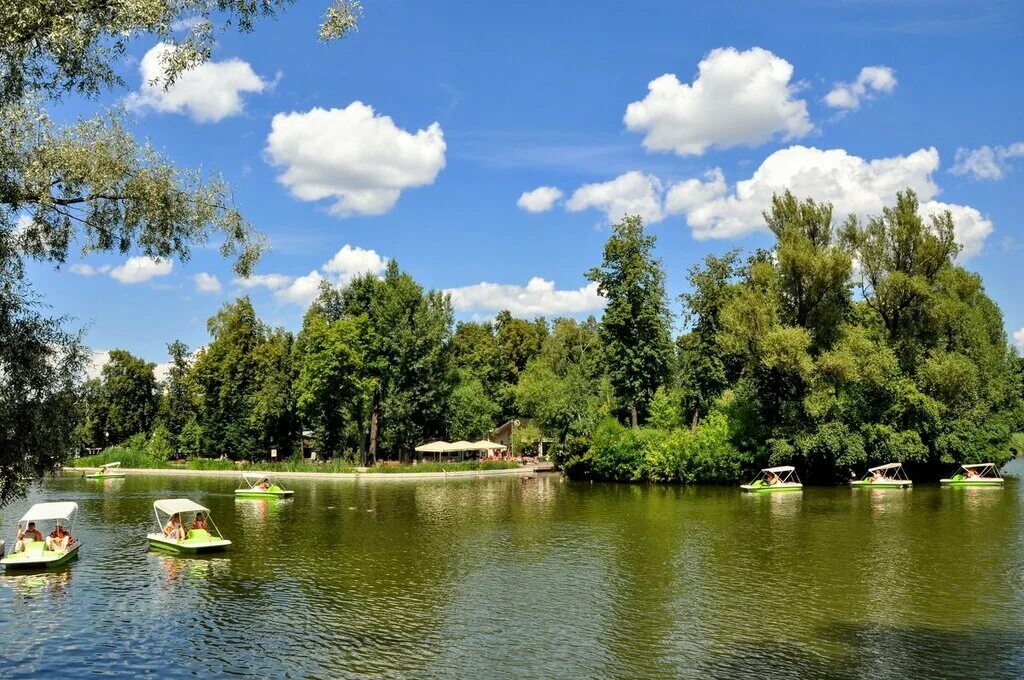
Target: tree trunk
633, 417
696, 419
374, 417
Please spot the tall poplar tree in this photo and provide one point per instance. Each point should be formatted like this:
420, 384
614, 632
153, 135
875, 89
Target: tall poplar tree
636, 325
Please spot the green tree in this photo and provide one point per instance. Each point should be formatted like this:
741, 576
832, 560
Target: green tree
178, 402
130, 393
636, 322
332, 389
471, 411
517, 341
227, 376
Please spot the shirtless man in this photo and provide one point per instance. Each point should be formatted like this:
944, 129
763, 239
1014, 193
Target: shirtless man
27, 535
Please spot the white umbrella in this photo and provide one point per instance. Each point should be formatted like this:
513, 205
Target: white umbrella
434, 447
485, 445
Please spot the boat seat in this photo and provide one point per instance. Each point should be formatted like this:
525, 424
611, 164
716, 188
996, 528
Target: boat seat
198, 535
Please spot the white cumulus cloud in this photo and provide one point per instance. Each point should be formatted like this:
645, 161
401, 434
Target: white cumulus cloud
851, 183
632, 193
358, 159
1018, 337
207, 283
83, 269
870, 81
351, 261
986, 162
346, 264
738, 98
539, 200
536, 298
143, 268
208, 92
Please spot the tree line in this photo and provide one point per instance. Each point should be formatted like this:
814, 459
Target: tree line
844, 345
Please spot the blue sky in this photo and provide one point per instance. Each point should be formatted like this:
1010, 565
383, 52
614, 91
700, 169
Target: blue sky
417, 137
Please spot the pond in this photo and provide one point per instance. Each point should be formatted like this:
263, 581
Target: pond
543, 577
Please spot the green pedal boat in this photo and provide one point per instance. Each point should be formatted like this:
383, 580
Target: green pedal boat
774, 479
974, 474
108, 471
179, 536
888, 476
33, 551
259, 485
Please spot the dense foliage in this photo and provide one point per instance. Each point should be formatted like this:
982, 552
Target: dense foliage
791, 356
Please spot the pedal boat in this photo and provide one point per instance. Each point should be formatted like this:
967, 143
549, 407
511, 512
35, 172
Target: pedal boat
774, 479
974, 474
249, 487
37, 555
108, 471
196, 540
889, 476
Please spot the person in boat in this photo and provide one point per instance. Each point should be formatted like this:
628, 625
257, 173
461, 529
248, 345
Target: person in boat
264, 484
199, 522
173, 528
59, 539
972, 473
771, 479
27, 535
877, 476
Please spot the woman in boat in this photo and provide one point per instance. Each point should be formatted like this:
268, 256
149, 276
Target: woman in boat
199, 522
771, 479
877, 476
173, 529
26, 535
972, 473
59, 539
264, 484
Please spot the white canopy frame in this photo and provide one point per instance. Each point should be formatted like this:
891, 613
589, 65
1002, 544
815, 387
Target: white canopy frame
783, 474
252, 480
57, 512
982, 470
176, 506
110, 466
890, 471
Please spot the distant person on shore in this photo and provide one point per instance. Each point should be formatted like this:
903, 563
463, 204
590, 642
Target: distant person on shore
27, 535
59, 539
173, 528
199, 522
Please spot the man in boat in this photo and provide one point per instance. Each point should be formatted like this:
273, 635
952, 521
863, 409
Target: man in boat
877, 476
173, 528
199, 522
27, 535
972, 473
264, 484
59, 539
771, 478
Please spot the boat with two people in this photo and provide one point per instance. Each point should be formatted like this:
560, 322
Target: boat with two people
974, 474
34, 551
175, 536
888, 476
108, 471
259, 485
779, 478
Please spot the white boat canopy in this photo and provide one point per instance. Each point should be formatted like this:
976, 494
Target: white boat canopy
41, 512
887, 466
172, 506
970, 466
434, 447
110, 465
780, 468
258, 476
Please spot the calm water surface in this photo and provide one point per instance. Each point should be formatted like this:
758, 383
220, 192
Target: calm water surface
497, 577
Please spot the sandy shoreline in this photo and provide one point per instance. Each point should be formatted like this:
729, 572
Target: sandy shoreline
524, 471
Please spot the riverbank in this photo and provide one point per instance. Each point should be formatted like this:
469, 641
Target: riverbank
523, 470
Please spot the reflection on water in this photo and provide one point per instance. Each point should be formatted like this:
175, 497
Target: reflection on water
530, 578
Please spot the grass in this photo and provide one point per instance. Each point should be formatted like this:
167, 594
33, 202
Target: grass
138, 459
